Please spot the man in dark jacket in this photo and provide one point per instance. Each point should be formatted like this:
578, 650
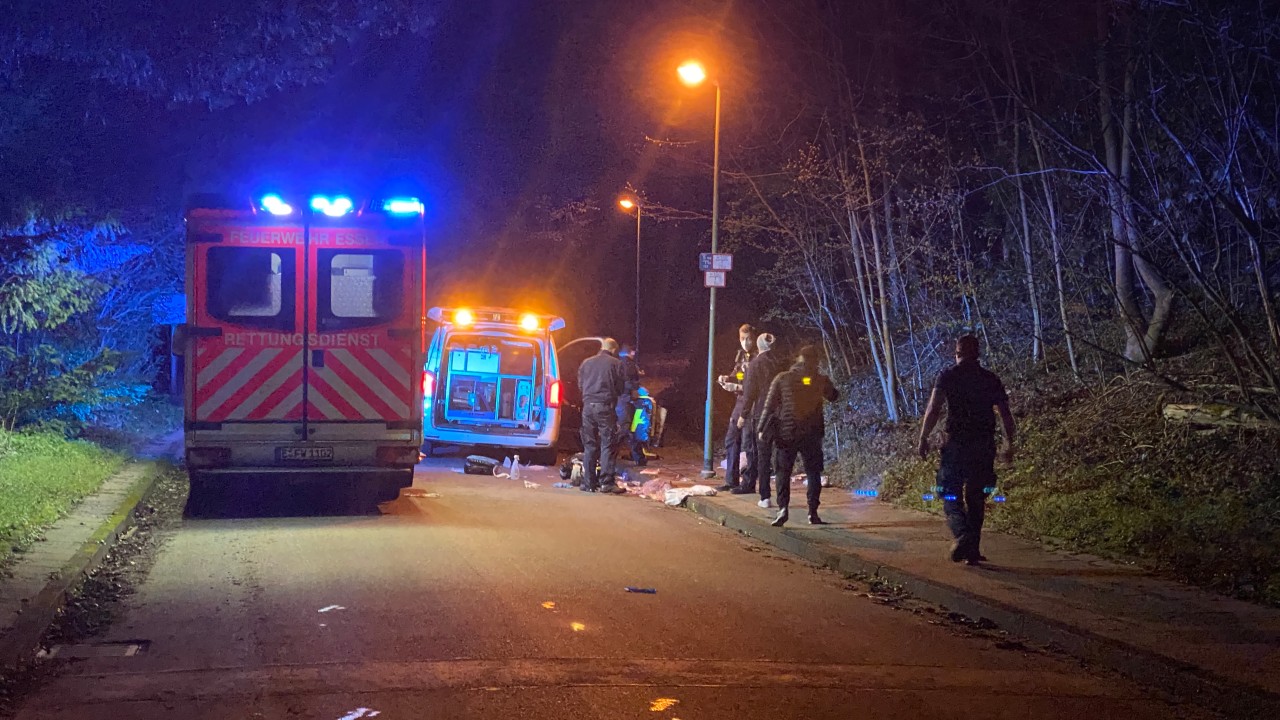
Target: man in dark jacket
793, 420
602, 380
967, 472
761, 371
627, 406
735, 441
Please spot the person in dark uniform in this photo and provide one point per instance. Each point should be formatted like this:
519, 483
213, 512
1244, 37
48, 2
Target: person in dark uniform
761, 371
793, 420
627, 406
967, 472
735, 442
602, 380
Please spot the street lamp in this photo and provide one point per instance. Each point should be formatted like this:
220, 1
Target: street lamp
692, 73
627, 202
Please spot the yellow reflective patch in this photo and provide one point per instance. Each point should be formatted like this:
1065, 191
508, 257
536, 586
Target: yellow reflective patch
663, 704
807, 381
740, 376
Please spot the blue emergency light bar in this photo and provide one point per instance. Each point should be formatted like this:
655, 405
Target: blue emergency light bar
336, 206
275, 205
333, 207
403, 206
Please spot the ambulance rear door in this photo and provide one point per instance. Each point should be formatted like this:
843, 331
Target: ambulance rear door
247, 335
365, 324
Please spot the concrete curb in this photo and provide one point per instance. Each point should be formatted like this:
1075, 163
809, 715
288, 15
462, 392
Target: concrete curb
1184, 682
21, 642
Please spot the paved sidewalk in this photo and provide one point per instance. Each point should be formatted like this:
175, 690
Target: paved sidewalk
36, 584
1217, 651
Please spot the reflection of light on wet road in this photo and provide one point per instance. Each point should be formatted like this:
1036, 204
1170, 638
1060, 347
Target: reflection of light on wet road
663, 704
549, 605
577, 626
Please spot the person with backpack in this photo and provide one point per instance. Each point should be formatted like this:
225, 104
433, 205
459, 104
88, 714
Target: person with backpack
794, 422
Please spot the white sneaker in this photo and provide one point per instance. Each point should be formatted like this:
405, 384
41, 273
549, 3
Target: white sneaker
765, 503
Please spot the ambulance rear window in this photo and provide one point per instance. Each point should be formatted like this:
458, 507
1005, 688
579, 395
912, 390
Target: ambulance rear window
251, 286
359, 288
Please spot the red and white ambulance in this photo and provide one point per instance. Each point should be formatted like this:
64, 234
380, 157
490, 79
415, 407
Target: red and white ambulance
304, 344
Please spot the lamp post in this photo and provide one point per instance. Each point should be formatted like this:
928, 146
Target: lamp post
693, 74
628, 203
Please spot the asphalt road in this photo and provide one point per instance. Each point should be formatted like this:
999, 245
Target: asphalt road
491, 600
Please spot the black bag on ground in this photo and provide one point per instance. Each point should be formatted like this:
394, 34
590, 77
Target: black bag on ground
479, 465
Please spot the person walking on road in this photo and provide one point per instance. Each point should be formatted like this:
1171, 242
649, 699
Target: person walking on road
735, 441
761, 371
602, 380
793, 421
627, 406
967, 472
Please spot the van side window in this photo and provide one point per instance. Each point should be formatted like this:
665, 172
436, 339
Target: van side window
251, 286
359, 288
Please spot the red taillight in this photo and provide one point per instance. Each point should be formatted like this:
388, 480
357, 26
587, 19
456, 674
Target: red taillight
428, 384
553, 394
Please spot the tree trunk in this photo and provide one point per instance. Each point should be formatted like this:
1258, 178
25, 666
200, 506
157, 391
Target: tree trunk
1131, 316
1028, 264
1055, 246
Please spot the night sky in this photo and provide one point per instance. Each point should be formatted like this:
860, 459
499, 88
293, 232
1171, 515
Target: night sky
507, 108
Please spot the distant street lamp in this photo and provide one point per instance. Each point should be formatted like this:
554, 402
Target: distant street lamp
693, 74
627, 202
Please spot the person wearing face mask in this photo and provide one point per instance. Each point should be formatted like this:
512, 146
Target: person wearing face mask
736, 441
764, 367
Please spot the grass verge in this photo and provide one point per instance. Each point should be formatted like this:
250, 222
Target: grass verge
42, 475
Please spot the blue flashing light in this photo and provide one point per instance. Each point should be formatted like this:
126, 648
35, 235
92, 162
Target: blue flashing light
927, 496
333, 207
403, 206
866, 493
949, 498
276, 205
999, 498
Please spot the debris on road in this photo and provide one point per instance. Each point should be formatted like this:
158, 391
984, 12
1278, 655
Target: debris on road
550, 605
663, 704
330, 608
480, 465
358, 713
800, 478
577, 626
642, 591
563, 485
649, 471
531, 485
675, 497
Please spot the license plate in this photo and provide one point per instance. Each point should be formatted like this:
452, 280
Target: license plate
304, 454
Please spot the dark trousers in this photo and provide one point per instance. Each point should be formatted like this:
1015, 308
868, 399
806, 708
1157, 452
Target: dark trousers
599, 434
764, 461
965, 477
809, 450
736, 442
627, 413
